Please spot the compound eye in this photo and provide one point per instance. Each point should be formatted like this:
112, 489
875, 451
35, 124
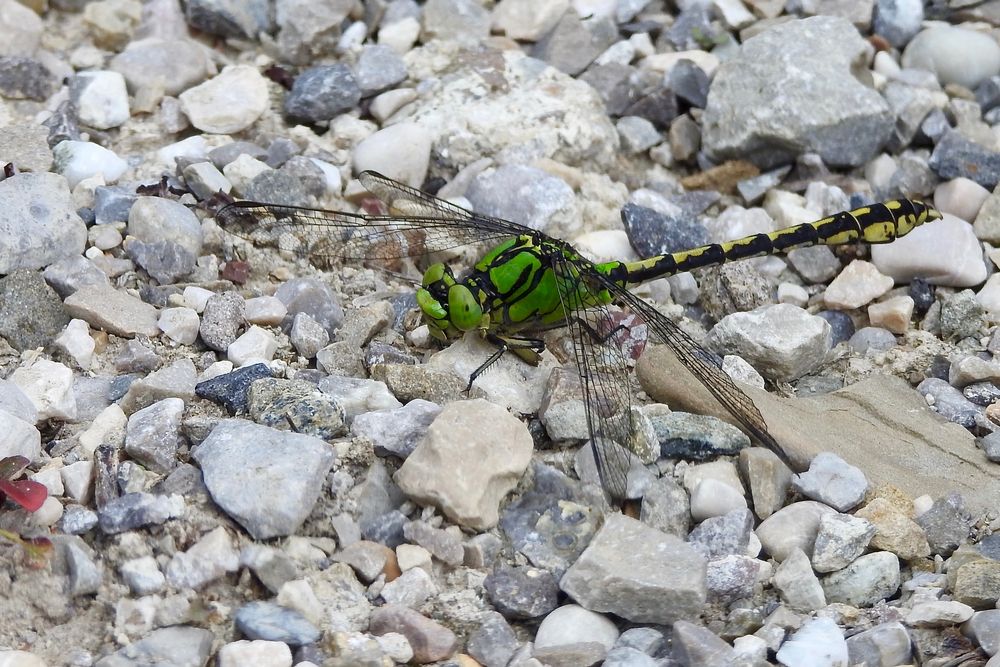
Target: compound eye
464, 310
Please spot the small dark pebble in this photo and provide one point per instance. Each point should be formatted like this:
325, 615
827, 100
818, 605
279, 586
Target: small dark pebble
982, 393
522, 592
922, 293
841, 325
231, 390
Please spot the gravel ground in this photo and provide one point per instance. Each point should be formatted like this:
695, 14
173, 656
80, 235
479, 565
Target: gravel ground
254, 455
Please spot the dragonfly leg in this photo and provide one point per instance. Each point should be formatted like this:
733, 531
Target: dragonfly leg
528, 349
595, 335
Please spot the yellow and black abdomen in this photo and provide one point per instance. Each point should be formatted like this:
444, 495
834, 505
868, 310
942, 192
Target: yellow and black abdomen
878, 223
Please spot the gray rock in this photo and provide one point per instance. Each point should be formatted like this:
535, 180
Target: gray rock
323, 92
697, 645
153, 435
297, 405
229, 18
666, 507
865, 581
38, 222
174, 381
266, 505
313, 297
885, 644
85, 574
521, 592
222, 320
742, 120
638, 573
732, 578
493, 642
25, 146
724, 535
68, 275
955, 156
176, 646
781, 341
833, 481
272, 622
792, 527
898, 21
947, 524
573, 43
112, 310
573, 635
840, 539
31, 313
984, 626
211, 557
797, 584
443, 544
397, 431
379, 68
25, 78
524, 194
769, 479
134, 510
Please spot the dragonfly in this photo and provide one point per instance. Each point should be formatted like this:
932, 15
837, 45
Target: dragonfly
528, 283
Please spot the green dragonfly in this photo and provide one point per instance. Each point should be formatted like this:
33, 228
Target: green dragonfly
529, 283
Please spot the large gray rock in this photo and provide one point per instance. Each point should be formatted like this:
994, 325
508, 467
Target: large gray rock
38, 222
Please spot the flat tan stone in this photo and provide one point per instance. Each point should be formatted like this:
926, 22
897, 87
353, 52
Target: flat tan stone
881, 425
115, 311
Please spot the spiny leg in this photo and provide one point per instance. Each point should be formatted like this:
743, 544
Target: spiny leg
527, 349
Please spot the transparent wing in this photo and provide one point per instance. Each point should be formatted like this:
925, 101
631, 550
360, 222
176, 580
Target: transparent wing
417, 223
604, 375
402, 200
704, 365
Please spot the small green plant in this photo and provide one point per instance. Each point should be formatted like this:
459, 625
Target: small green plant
30, 495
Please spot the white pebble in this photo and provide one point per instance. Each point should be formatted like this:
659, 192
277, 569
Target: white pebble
265, 310
196, 297
79, 160
228, 103
962, 197
49, 513
179, 324
49, 385
193, 148
77, 479
793, 294
102, 100
253, 346
945, 252
401, 151
892, 314
76, 341
104, 237
258, 652
714, 498
858, 284
241, 172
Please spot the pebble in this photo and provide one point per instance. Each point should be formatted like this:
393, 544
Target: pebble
944, 252
832, 481
712, 498
857, 285
323, 92
257, 652
572, 632
949, 402
81, 160
297, 464
56, 232
893, 314
866, 581
840, 539
960, 197
818, 643
521, 592
954, 154
212, 556
430, 640
793, 526
400, 151
179, 324
171, 647
272, 622
847, 131
643, 574
208, 105
152, 436
49, 387
307, 336
176, 380
134, 510
25, 78
954, 54
221, 320
253, 346
781, 341
379, 67
886, 643
769, 480
797, 583
396, 431
32, 315
101, 99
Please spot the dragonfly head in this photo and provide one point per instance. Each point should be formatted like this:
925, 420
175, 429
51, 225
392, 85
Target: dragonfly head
449, 307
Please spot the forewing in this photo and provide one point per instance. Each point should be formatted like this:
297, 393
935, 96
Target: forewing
604, 376
409, 202
417, 224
